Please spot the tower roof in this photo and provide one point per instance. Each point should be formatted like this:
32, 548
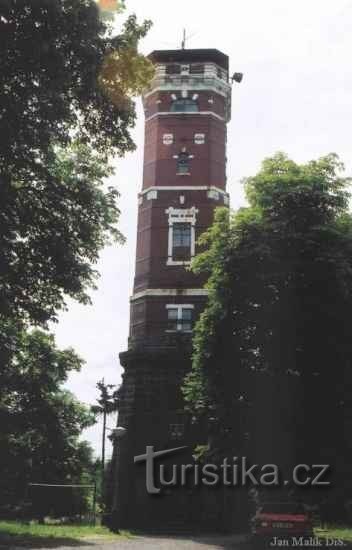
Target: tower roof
192, 56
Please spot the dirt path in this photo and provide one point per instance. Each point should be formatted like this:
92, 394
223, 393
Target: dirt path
158, 543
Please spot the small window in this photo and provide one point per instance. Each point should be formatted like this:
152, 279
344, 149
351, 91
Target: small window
172, 316
197, 68
184, 106
176, 431
173, 69
199, 139
168, 139
181, 242
179, 319
186, 320
183, 163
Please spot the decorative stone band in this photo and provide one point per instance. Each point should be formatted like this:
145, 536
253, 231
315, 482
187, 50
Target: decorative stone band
212, 192
169, 292
209, 82
185, 113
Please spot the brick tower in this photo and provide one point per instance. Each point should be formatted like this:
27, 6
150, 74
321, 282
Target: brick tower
186, 109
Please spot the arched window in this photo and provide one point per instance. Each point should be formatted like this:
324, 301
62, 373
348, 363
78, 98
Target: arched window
184, 106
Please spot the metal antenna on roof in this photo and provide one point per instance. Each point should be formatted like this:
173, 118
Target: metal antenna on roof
183, 44
185, 38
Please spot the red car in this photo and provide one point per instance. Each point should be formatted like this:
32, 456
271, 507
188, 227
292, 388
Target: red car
281, 520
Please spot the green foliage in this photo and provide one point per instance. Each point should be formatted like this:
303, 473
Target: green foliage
276, 330
53, 229
52, 54
212, 262
108, 399
34, 535
40, 422
60, 126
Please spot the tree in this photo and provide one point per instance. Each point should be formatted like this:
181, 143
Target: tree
54, 228
40, 422
107, 404
272, 350
63, 83
53, 53
66, 107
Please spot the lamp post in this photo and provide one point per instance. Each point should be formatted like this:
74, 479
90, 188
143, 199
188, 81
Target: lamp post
116, 435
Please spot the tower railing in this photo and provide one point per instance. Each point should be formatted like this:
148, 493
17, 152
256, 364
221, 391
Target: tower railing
194, 81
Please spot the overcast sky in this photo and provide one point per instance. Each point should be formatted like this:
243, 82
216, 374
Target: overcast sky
295, 97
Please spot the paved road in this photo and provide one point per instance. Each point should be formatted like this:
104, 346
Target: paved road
162, 543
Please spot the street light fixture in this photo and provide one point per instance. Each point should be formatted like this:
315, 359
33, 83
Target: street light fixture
237, 77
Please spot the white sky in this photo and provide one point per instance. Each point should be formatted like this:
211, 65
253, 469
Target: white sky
295, 97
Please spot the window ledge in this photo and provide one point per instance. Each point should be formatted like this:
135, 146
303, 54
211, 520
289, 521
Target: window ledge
178, 262
179, 331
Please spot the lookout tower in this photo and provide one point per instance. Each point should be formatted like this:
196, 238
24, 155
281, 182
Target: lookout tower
187, 108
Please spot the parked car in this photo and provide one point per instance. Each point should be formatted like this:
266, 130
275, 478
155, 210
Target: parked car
281, 520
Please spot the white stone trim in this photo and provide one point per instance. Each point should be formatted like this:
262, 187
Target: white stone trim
179, 306
152, 194
199, 139
212, 194
184, 188
183, 113
195, 84
164, 292
182, 215
168, 139
170, 261
176, 331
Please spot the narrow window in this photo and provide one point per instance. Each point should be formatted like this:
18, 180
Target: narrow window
181, 241
172, 315
173, 69
183, 164
184, 106
186, 319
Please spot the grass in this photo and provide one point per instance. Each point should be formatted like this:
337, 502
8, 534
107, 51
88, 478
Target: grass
335, 532
34, 535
